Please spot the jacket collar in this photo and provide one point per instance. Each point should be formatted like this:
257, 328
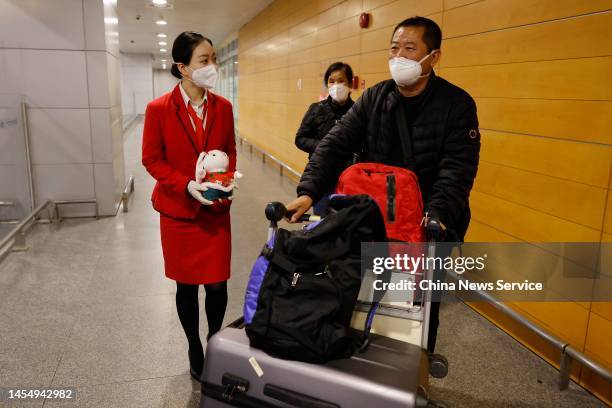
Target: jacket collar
186, 99
183, 116
336, 107
394, 97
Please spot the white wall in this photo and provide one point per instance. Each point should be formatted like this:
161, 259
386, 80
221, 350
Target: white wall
163, 82
64, 58
136, 82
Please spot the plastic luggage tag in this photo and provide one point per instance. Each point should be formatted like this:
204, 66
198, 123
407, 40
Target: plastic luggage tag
256, 366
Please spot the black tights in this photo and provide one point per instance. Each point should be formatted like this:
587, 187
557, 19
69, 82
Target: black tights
189, 313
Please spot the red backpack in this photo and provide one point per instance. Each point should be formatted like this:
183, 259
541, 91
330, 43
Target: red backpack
395, 190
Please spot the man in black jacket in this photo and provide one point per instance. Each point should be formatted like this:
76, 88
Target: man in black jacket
443, 141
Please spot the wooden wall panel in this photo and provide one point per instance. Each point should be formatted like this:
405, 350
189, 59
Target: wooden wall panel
608, 219
526, 223
585, 121
580, 79
580, 162
598, 341
576, 202
489, 15
391, 14
481, 232
561, 39
566, 320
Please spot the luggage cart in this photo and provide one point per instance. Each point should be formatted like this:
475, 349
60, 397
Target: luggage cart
389, 372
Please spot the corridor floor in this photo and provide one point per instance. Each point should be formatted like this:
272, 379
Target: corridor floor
88, 307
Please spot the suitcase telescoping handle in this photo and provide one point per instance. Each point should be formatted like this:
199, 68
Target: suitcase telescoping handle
275, 211
365, 340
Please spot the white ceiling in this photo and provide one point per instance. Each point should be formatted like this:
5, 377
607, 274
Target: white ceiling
214, 19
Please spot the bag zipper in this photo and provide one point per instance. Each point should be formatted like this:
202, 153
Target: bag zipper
391, 197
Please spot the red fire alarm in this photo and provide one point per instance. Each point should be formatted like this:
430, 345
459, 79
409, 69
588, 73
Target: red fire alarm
364, 20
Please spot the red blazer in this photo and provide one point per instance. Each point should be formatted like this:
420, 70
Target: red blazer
170, 152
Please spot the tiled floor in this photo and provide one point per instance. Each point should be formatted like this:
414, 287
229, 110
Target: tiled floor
88, 306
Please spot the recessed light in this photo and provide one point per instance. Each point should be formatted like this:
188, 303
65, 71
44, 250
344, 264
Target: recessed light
111, 20
163, 43
235, 62
162, 50
162, 35
161, 22
163, 60
160, 2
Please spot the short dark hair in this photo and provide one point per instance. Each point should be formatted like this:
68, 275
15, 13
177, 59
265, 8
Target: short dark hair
339, 66
432, 35
183, 47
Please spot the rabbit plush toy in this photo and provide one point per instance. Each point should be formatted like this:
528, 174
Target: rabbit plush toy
211, 171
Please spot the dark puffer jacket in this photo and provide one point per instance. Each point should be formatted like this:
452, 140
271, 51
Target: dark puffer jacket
318, 121
445, 147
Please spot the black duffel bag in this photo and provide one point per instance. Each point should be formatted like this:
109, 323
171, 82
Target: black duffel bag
304, 286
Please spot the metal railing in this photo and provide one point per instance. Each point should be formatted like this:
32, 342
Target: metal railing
127, 192
15, 240
281, 164
568, 353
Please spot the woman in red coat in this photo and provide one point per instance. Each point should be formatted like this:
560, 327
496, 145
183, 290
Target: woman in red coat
195, 236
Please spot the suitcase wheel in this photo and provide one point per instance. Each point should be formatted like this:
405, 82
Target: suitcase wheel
438, 366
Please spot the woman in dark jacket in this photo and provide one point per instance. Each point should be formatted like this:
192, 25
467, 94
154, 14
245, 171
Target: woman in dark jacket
322, 116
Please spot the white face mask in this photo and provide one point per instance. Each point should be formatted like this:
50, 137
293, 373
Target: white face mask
205, 77
339, 92
406, 72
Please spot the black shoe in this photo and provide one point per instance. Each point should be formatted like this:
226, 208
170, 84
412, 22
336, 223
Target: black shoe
196, 364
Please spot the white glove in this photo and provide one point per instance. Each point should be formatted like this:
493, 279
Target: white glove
196, 189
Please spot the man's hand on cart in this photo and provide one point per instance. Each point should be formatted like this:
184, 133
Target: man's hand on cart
298, 207
434, 228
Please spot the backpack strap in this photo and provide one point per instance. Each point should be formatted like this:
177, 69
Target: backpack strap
405, 138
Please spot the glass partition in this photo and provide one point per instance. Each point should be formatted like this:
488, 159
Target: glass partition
227, 85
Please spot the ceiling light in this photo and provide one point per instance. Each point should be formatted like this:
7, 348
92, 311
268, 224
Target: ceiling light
162, 35
160, 2
163, 60
111, 20
163, 43
161, 22
162, 50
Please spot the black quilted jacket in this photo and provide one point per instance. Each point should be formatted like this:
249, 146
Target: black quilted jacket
445, 145
318, 121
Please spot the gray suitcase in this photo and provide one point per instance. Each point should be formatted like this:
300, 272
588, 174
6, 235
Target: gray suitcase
390, 373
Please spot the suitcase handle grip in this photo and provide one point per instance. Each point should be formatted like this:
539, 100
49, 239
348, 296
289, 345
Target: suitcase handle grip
276, 211
295, 398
